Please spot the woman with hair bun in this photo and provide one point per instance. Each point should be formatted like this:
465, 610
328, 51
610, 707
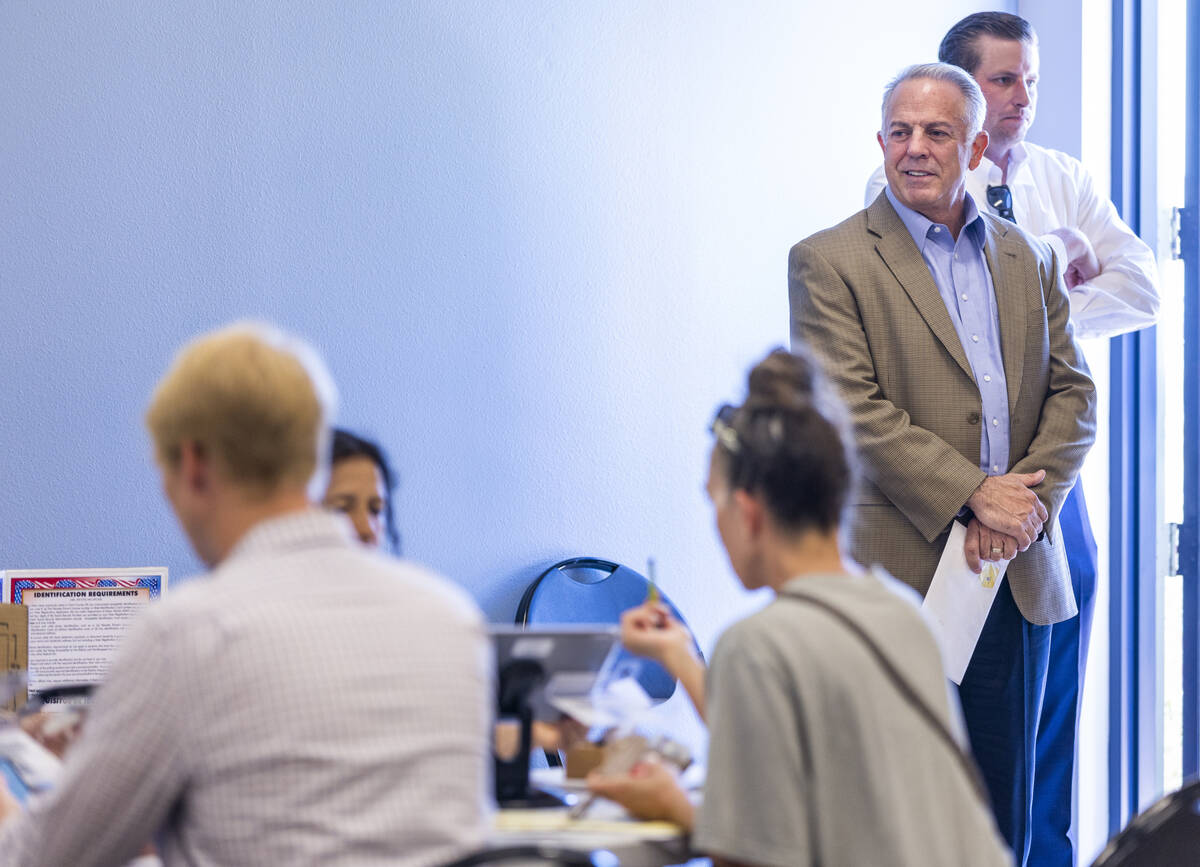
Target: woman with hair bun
833, 736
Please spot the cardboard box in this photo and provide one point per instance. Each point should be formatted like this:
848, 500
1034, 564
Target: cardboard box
14, 646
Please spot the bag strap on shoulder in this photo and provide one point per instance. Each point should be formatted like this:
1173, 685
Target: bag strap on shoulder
902, 685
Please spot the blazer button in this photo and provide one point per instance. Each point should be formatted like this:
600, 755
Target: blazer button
972, 418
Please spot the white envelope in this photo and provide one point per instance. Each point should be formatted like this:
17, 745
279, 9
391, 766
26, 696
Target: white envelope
958, 603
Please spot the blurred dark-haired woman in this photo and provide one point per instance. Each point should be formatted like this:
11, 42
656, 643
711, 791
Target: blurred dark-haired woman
360, 485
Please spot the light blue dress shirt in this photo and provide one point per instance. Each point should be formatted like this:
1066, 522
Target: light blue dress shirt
959, 270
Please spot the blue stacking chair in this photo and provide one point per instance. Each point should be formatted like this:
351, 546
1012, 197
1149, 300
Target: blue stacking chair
591, 590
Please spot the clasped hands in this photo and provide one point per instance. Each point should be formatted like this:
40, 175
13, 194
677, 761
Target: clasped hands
1008, 518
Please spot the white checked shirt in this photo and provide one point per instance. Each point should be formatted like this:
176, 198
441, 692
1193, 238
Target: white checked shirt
1051, 190
311, 702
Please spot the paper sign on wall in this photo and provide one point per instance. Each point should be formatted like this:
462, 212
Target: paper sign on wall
76, 618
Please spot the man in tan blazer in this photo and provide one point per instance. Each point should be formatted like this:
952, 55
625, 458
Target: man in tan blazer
947, 332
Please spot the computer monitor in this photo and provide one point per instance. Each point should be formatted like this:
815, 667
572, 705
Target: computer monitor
534, 666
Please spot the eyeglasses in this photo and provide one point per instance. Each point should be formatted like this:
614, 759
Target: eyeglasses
999, 198
722, 429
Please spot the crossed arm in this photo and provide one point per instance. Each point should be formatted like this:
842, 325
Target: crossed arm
1111, 273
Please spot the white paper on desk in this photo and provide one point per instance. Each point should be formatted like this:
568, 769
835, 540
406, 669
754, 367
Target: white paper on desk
958, 603
620, 703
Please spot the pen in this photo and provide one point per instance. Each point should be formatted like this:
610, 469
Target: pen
652, 594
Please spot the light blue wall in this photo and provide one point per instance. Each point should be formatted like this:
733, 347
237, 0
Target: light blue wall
1059, 120
537, 242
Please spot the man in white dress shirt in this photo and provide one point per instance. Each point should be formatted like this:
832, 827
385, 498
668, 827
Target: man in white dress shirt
1111, 277
1110, 272
309, 701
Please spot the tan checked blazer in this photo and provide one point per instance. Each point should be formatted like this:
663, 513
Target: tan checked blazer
863, 299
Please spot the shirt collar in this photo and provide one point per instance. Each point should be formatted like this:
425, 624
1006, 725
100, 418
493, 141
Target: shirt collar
919, 225
992, 174
310, 528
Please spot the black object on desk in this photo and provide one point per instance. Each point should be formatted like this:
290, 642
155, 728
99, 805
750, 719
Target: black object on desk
536, 665
516, 684
75, 694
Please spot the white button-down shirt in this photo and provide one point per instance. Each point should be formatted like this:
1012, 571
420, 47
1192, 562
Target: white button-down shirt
1051, 190
310, 702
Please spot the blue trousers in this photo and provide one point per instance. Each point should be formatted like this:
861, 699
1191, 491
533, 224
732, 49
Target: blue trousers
1001, 695
1055, 842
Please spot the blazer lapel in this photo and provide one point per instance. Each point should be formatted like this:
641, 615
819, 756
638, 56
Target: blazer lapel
895, 246
1004, 263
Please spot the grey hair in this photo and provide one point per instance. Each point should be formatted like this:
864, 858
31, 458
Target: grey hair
973, 102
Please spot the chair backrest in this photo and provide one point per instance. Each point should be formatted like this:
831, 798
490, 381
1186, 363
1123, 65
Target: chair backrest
591, 590
538, 854
1168, 832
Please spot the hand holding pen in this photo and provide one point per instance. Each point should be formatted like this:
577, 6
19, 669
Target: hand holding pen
650, 630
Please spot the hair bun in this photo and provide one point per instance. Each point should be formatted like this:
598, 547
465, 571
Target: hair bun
789, 443
782, 380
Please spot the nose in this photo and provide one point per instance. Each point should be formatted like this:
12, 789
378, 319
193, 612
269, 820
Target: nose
1021, 93
918, 145
362, 526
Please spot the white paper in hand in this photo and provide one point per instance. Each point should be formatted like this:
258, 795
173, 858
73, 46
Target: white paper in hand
619, 704
36, 767
958, 602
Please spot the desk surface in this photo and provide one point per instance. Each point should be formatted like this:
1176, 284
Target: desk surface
636, 844
606, 826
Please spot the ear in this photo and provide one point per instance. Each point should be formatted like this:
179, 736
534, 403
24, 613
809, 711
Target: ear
882, 143
195, 466
977, 149
750, 512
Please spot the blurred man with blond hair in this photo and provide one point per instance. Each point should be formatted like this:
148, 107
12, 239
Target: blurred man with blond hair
311, 701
